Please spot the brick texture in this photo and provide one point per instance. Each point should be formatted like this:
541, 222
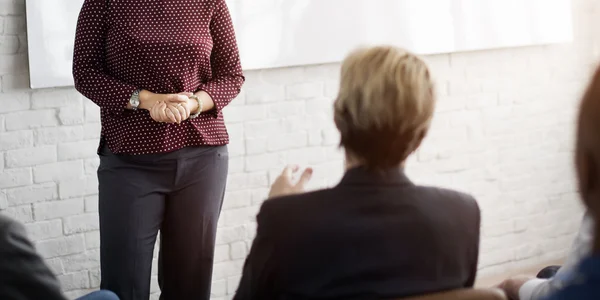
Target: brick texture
503, 132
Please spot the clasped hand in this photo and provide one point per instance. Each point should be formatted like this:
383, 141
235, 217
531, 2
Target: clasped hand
173, 108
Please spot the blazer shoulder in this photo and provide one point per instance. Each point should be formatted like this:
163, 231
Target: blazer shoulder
29, 276
455, 198
5, 220
13, 235
291, 205
9, 226
295, 200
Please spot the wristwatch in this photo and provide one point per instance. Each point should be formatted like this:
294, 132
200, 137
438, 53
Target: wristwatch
135, 100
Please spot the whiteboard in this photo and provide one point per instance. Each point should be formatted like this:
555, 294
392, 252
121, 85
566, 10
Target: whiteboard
282, 33
50, 36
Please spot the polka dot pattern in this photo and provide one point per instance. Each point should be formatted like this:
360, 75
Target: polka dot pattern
163, 46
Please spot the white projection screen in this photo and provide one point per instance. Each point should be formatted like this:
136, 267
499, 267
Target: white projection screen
281, 33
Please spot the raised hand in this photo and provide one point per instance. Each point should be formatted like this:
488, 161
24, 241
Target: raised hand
284, 184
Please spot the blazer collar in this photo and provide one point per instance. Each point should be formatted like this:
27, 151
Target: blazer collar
362, 176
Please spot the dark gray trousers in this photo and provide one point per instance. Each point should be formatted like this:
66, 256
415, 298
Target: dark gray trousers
178, 193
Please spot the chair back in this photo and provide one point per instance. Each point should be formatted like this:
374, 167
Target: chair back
464, 294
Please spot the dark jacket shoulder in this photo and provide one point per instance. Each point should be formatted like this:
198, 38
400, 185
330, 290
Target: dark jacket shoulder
23, 273
454, 197
274, 210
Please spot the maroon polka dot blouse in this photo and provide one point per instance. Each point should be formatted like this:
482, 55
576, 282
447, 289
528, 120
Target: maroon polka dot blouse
163, 46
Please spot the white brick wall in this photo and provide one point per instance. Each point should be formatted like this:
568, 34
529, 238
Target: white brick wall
503, 132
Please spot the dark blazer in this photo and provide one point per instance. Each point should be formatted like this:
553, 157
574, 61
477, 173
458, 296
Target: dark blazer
23, 273
374, 236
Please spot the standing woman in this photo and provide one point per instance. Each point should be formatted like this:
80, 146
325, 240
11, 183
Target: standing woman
161, 72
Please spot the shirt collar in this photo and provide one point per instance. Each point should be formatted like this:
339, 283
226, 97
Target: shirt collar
362, 176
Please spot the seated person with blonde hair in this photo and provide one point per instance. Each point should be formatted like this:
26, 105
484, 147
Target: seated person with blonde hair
376, 235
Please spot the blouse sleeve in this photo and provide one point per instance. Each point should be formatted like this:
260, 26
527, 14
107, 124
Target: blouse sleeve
89, 69
227, 76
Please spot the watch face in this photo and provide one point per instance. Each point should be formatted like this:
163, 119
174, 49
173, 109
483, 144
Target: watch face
135, 102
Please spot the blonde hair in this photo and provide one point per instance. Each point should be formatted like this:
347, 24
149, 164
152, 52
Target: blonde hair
384, 106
